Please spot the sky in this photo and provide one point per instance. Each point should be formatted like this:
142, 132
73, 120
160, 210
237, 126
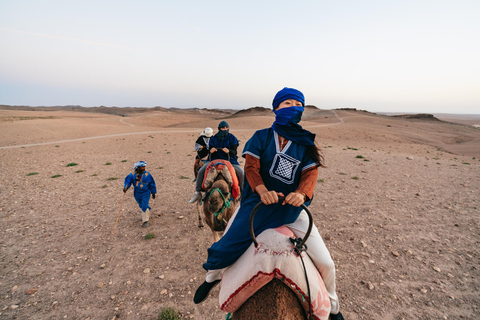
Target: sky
379, 56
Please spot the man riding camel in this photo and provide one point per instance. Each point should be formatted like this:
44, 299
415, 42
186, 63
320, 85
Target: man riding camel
143, 186
223, 145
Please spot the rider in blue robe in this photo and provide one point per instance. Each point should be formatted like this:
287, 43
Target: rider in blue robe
280, 171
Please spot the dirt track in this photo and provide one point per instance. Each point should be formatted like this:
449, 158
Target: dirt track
401, 221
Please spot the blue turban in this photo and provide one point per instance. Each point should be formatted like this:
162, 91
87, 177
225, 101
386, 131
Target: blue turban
223, 124
285, 94
139, 164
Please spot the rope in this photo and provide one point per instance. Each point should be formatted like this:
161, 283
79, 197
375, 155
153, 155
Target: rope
298, 250
226, 203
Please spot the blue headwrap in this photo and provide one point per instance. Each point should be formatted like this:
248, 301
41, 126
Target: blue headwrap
287, 93
223, 124
287, 119
139, 164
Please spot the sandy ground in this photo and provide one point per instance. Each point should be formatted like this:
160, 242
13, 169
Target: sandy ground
398, 207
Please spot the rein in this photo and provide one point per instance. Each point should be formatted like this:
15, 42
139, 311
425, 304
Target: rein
226, 204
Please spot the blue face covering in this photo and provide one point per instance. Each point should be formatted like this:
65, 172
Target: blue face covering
286, 125
221, 134
288, 116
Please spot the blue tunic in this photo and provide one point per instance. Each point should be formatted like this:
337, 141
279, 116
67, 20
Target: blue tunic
142, 188
281, 171
218, 144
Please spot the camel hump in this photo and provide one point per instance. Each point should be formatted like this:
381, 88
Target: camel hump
217, 167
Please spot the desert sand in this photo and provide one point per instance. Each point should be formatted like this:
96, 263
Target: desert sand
398, 207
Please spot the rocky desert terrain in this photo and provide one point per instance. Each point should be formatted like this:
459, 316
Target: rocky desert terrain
398, 206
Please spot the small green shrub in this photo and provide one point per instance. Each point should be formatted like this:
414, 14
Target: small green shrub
360, 157
467, 163
32, 173
124, 160
94, 175
104, 186
149, 236
56, 176
320, 180
72, 164
183, 177
352, 148
168, 313
342, 173
355, 178
149, 152
112, 178
168, 152
108, 163
366, 160
160, 167
57, 146
78, 171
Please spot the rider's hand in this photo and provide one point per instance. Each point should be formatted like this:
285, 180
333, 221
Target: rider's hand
153, 195
295, 199
225, 150
212, 150
125, 190
267, 197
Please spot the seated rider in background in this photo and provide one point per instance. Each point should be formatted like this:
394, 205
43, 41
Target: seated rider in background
202, 148
223, 146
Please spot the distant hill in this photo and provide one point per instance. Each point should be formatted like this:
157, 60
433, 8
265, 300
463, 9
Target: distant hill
419, 116
123, 111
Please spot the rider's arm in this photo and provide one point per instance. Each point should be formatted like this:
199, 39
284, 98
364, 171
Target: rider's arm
252, 172
233, 150
308, 179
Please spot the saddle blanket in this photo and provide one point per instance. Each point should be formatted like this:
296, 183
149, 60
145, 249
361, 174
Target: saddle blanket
214, 168
273, 258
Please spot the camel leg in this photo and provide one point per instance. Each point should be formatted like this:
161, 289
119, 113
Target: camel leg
199, 211
216, 237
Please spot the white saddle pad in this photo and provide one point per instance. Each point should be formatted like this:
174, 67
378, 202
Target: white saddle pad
273, 258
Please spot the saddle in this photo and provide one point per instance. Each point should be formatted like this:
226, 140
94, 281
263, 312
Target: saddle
273, 258
224, 167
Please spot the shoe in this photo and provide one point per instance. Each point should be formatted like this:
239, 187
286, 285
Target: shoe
145, 224
196, 196
203, 291
337, 316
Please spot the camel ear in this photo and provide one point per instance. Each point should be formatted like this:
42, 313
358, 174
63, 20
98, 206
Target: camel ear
228, 176
210, 178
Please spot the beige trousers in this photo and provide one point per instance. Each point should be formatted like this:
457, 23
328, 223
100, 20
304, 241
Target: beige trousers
146, 215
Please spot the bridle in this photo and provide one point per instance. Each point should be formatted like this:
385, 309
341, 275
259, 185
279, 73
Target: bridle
226, 204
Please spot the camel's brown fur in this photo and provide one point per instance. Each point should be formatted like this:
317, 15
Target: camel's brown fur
273, 301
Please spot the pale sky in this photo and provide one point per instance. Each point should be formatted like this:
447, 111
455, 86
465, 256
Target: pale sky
380, 56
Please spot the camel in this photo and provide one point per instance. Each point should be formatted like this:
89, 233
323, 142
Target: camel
219, 202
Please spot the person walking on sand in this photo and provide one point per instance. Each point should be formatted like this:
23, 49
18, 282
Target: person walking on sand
202, 148
143, 187
282, 160
223, 145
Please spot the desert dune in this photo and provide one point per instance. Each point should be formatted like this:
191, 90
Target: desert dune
398, 208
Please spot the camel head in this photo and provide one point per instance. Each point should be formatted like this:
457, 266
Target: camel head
215, 202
